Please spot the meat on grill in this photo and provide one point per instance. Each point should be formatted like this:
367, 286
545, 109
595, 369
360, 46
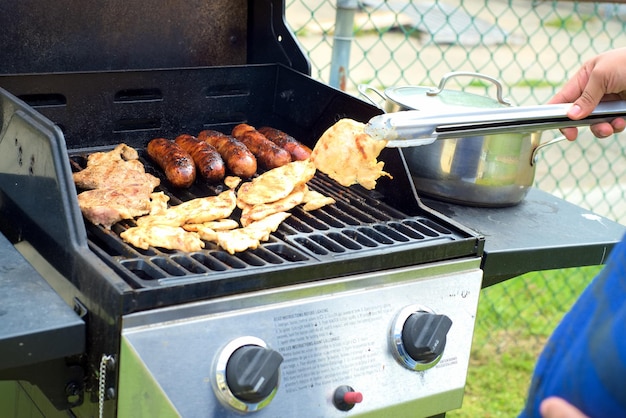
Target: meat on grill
276, 184
254, 213
250, 236
267, 153
348, 155
164, 236
297, 150
314, 200
110, 205
177, 164
239, 160
119, 187
209, 162
118, 167
195, 211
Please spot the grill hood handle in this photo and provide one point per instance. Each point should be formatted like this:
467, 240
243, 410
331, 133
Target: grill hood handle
417, 127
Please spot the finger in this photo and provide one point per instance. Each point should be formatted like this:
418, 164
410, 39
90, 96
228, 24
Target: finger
619, 124
558, 408
602, 130
571, 89
570, 133
596, 88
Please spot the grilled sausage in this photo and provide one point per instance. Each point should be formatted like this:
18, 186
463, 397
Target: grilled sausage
177, 164
287, 142
239, 160
208, 161
267, 153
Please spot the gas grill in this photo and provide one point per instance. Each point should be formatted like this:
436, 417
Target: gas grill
369, 241
361, 308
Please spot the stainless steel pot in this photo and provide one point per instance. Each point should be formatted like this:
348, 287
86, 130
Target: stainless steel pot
492, 170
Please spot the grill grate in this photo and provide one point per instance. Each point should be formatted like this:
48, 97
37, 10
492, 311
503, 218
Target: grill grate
366, 231
357, 224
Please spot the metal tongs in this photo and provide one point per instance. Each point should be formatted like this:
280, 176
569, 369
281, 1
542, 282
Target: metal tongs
417, 127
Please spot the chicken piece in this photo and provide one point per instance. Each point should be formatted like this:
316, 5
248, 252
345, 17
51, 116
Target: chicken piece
119, 153
314, 200
195, 211
218, 225
208, 230
119, 167
235, 241
232, 181
252, 213
110, 205
169, 237
262, 229
118, 187
158, 203
348, 155
207, 234
249, 237
275, 184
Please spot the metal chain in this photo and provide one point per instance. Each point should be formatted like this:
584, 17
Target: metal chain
102, 383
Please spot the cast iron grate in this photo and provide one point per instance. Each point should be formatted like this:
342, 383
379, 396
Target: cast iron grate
358, 223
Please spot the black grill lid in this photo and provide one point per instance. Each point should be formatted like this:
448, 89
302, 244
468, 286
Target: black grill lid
38, 36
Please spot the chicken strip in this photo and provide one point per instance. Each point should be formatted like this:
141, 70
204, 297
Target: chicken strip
252, 213
275, 184
235, 241
314, 200
195, 211
249, 237
262, 229
163, 236
218, 225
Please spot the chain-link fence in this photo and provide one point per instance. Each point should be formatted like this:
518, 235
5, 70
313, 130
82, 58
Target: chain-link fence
532, 47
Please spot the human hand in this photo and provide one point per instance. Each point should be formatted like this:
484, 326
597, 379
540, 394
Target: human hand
599, 79
558, 408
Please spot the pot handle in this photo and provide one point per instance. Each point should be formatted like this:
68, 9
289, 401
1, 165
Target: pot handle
364, 88
534, 157
446, 77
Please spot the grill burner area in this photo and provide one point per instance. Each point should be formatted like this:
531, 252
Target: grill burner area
357, 223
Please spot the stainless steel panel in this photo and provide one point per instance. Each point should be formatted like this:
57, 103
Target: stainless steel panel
332, 333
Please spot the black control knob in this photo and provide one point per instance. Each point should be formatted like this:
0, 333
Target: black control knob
252, 372
424, 335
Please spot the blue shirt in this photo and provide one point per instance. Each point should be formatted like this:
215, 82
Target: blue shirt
584, 362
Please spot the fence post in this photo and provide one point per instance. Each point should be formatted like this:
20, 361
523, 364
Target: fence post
342, 40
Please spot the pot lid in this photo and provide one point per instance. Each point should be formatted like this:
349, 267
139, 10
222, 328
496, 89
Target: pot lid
441, 99
417, 98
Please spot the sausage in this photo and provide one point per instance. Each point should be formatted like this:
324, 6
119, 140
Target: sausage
297, 150
238, 158
208, 161
177, 164
267, 153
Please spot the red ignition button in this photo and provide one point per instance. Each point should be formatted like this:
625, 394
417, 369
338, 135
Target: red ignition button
353, 397
346, 397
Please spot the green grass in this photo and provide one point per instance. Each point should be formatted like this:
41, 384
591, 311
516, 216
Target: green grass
514, 320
